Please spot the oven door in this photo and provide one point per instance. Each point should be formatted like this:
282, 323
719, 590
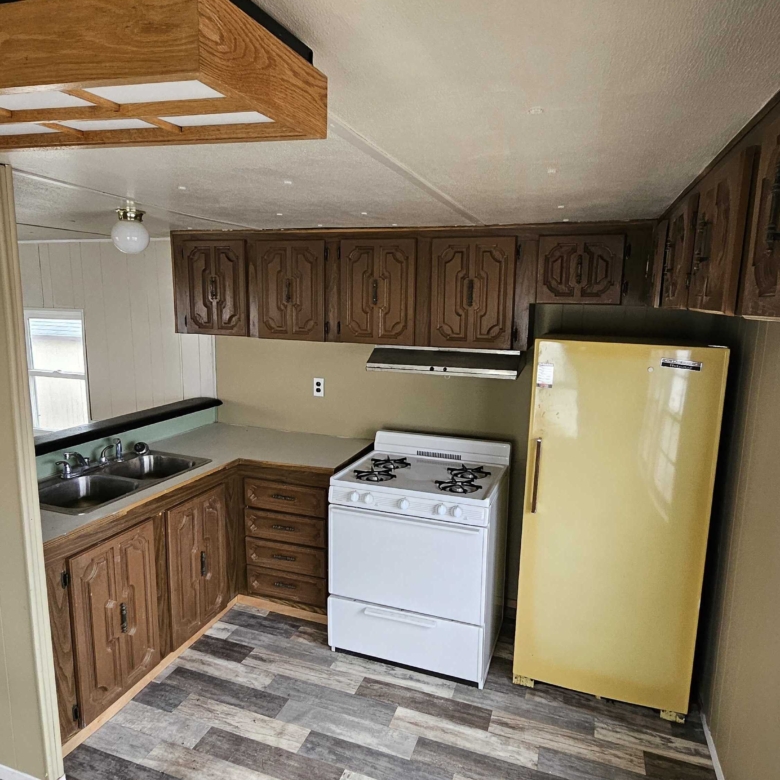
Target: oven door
425, 566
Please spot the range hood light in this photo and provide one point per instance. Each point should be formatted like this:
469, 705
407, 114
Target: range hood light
480, 364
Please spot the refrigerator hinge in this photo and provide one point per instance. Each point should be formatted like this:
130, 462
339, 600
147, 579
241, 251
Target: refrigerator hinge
674, 717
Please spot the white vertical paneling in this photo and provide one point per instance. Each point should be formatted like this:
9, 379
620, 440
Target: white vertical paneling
98, 363
135, 358
30, 265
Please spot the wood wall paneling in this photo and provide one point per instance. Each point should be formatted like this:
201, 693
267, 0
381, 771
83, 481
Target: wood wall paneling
135, 358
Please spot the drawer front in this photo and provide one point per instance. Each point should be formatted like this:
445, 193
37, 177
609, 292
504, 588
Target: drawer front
285, 528
434, 644
292, 499
283, 585
285, 557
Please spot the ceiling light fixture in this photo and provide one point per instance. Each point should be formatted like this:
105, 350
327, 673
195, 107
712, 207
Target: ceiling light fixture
129, 235
363, 213
181, 187
288, 181
551, 171
279, 214
565, 220
536, 110
561, 207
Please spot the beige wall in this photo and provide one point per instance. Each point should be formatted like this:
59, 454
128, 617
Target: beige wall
741, 674
269, 383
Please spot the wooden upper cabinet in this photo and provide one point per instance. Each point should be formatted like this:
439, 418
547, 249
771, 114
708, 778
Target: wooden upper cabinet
115, 620
287, 290
720, 233
580, 269
197, 562
760, 297
472, 292
678, 259
377, 280
210, 287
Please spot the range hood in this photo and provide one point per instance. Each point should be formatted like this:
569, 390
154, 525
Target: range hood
481, 364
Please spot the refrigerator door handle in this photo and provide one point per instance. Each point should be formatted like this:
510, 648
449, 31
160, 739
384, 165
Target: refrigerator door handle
535, 487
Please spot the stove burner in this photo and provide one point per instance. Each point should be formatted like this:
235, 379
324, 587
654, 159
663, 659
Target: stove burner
460, 486
374, 475
390, 463
469, 472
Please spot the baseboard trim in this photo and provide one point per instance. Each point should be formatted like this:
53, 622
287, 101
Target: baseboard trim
85, 733
6, 773
713, 752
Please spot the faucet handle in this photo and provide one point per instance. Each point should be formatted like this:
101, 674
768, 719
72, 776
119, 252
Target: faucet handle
67, 472
81, 461
117, 447
104, 453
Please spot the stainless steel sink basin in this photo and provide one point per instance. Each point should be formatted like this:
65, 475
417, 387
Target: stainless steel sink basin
80, 494
100, 484
150, 467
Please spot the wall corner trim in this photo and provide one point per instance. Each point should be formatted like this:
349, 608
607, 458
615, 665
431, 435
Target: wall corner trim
6, 773
713, 752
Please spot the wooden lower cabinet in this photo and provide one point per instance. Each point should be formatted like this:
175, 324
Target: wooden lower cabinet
115, 621
197, 562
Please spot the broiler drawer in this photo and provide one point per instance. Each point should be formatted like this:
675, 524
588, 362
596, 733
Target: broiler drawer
291, 499
286, 586
285, 557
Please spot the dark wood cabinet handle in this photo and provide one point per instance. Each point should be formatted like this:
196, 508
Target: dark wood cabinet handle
772, 233
286, 585
123, 618
470, 293
287, 290
578, 277
701, 243
375, 291
281, 497
203, 568
290, 528
213, 294
284, 557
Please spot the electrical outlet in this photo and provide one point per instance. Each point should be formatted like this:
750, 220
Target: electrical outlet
319, 387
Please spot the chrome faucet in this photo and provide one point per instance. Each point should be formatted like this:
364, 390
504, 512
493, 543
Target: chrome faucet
68, 471
116, 445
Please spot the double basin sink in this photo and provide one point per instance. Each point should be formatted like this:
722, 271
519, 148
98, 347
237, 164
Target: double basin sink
98, 485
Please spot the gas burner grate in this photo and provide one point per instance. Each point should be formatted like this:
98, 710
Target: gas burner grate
459, 486
390, 463
374, 475
468, 472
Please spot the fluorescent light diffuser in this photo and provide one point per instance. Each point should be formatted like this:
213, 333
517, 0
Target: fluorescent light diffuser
32, 101
90, 125
23, 128
156, 93
204, 120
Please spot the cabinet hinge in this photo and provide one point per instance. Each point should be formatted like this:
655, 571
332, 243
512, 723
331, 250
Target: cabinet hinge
327, 252
628, 251
338, 327
338, 253
519, 252
514, 335
76, 713
185, 320
65, 579
327, 328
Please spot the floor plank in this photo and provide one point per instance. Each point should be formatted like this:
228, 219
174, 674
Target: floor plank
88, 763
173, 727
161, 696
662, 744
222, 648
576, 768
225, 670
123, 742
379, 670
666, 768
342, 680
186, 764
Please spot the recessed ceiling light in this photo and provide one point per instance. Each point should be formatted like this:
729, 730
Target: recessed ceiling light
279, 214
561, 207
319, 224
363, 213
536, 110
288, 181
182, 187
395, 224
551, 171
565, 220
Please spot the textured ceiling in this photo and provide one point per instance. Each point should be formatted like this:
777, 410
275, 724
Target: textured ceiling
430, 119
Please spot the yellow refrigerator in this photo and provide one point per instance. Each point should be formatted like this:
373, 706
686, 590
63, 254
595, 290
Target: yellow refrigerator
623, 443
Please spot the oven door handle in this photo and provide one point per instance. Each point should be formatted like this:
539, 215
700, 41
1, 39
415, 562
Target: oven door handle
400, 617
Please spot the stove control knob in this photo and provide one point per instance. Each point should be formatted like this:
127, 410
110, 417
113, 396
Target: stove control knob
354, 495
403, 504
440, 509
456, 511
368, 498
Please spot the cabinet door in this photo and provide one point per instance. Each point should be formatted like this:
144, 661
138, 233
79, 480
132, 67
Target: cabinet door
760, 293
184, 569
472, 292
679, 254
137, 589
720, 233
96, 629
580, 269
210, 287
287, 290
378, 291
213, 552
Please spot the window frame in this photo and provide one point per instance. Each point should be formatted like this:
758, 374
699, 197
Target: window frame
54, 314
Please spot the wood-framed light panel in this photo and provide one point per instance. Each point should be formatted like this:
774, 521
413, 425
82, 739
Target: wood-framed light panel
98, 73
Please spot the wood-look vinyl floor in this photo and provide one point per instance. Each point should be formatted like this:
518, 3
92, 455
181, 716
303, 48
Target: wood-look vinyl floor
262, 697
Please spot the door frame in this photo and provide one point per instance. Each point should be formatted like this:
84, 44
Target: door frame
31, 746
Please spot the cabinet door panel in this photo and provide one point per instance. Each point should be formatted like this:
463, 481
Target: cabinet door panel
720, 233
307, 272
272, 319
556, 270
184, 570
602, 269
213, 544
449, 300
357, 311
137, 587
230, 305
679, 254
96, 626
760, 295
494, 286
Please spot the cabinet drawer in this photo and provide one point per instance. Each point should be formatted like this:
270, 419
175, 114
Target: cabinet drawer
285, 557
283, 585
285, 528
294, 499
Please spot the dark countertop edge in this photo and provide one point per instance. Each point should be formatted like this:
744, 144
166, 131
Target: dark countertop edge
70, 437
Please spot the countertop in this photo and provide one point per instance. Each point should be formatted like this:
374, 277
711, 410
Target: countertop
221, 444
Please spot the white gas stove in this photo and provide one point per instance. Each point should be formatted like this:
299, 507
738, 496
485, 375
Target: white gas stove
416, 552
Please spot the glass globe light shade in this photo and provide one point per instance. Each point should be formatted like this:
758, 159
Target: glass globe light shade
129, 235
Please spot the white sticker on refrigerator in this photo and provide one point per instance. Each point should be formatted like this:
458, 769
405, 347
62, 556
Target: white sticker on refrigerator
544, 374
686, 365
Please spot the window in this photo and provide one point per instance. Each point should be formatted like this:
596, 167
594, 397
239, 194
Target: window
56, 360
